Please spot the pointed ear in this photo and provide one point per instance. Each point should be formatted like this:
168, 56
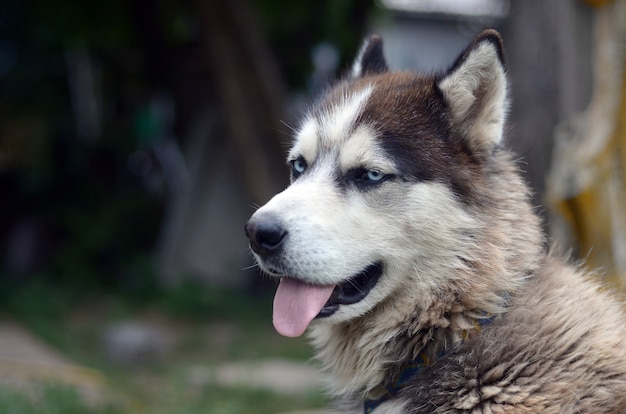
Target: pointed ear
370, 60
475, 89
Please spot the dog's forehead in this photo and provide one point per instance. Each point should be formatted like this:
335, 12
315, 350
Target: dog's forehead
351, 118
332, 122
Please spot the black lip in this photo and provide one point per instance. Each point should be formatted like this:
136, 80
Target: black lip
353, 290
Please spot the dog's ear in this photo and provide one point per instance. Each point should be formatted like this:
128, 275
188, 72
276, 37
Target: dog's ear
370, 60
475, 89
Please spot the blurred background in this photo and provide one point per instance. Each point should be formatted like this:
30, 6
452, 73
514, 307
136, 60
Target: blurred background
137, 136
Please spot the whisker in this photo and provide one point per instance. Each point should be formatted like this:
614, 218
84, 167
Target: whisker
288, 126
252, 266
355, 286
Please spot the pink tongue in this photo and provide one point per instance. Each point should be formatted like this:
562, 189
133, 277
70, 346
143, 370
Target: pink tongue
296, 304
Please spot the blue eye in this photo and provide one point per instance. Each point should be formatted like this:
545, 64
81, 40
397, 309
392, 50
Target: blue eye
373, 175
298, 166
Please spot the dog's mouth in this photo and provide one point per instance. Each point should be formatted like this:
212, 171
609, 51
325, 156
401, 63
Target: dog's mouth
296, 303
352, 290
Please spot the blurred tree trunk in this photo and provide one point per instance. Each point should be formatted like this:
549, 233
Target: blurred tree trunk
250, 91
233, 149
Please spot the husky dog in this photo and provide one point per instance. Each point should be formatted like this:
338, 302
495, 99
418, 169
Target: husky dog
407, 247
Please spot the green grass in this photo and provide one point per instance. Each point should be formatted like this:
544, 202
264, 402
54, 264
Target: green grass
50, 400
211, 326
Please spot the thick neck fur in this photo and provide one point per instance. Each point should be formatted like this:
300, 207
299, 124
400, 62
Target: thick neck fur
504, 252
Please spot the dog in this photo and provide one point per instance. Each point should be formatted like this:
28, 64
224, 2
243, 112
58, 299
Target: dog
406, 246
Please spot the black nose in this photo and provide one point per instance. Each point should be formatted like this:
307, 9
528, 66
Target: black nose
266, 235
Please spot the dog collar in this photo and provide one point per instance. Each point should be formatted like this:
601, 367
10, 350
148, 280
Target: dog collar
410, 370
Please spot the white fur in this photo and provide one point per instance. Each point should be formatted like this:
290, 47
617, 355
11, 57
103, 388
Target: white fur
362, 150
333, 125
481, 72
357, 67
306, 142
339, 120
334, 236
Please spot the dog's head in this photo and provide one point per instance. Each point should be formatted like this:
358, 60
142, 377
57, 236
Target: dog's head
383, 168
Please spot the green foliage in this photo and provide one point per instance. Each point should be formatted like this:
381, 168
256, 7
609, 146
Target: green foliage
37, 299
93, 217
196, 301
96, 220
41, 299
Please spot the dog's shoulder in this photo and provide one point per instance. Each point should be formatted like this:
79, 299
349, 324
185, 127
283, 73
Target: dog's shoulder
560, 348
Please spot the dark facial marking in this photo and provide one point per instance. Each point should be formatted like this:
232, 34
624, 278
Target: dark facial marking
411, 117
